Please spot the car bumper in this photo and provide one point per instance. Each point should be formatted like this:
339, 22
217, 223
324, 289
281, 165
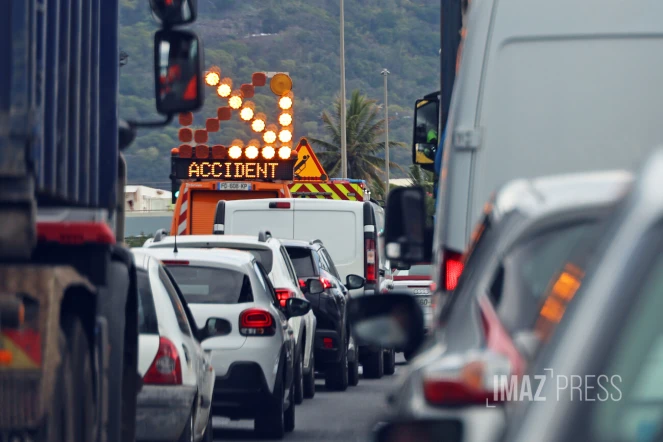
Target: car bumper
163, 411
242, 393
325, 355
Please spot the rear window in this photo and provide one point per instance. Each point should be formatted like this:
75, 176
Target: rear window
302, 260
147, 315
416, 270
210, 285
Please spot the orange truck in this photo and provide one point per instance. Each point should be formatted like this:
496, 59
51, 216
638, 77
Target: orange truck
208, 176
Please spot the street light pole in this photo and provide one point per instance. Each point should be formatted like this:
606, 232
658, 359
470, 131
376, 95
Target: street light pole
344, 137
385, 73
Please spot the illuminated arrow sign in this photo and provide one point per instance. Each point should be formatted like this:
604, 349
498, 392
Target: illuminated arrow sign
307, 167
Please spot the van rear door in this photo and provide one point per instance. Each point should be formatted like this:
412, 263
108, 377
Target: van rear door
249, 217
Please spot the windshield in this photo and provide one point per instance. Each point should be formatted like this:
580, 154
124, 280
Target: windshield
302, 259
212, 285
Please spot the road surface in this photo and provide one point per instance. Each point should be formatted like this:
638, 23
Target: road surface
329, 417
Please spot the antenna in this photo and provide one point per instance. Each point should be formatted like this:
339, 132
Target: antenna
175, 250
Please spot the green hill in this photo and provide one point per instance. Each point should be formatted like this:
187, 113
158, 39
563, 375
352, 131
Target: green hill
300, 37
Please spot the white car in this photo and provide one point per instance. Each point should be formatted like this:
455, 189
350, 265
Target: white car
178, 378
254, 362
273, 256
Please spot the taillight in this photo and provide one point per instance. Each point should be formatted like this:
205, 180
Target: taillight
283, 294
256, 322
166, 368
302, 283
369, 259
452, 267
326, 284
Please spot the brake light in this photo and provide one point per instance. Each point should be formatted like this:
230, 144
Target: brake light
75, 233
453, 267
279, 205
326, 284
175, 263
302, 283
166, 368
328, 342
256, 322
370, 270
283, 294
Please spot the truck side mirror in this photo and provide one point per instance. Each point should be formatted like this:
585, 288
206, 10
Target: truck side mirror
178, 69
425, 137
408, 239
174, 12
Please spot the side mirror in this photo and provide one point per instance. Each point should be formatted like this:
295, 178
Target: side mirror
393, 320
297, 307
353, 282
443, 430
178, 71
314, 287
215, 327
425, 139
408, 240
174, 12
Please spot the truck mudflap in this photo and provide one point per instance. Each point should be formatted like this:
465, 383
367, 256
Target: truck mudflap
30, 299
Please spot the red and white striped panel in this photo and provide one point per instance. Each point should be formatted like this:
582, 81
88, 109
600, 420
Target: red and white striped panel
184, 207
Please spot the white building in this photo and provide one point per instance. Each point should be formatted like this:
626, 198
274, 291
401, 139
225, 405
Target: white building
146, 199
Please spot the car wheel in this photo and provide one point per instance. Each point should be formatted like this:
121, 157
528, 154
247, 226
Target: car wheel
298, 384
374, 365
353, 371
336, 376
289, 418
390, 362
270, 424
187, 434
309, 379
209, 430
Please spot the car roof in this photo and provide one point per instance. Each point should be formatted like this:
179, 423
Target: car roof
542, 196
141, 258
225, 257
301, 243
212, 239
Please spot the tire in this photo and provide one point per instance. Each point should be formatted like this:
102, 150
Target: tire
353, 372
298, 383
390, 362
289, 417
336, 376
374, 365
209, 430
59, 425
309, 379
270, 424
187, 433
81, 363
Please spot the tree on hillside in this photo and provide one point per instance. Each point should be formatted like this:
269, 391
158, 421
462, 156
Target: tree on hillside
421, 177
365, 140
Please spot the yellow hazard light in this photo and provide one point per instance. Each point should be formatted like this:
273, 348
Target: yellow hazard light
235, 100
285, 119
224, 88
280, 83
258, 124
285, 152
285, 136
235, 149
268, 152
270, 134
247, 112
285, 102
212, 78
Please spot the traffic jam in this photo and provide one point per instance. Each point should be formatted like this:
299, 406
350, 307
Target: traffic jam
283, 304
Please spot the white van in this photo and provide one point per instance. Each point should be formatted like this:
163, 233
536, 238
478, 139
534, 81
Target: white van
350, 231
545, 87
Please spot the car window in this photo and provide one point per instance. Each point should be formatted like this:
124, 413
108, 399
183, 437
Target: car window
519, 286
147, 315
302, 259
289, 267
637, 358
182, 320
212, 284
262, 274
324, 265
416, 270
330, 262
264, 255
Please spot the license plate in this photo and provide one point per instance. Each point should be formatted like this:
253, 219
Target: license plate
233, 186
425, 301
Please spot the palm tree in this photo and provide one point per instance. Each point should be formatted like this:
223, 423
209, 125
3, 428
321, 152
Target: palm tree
365, 140
421, 177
